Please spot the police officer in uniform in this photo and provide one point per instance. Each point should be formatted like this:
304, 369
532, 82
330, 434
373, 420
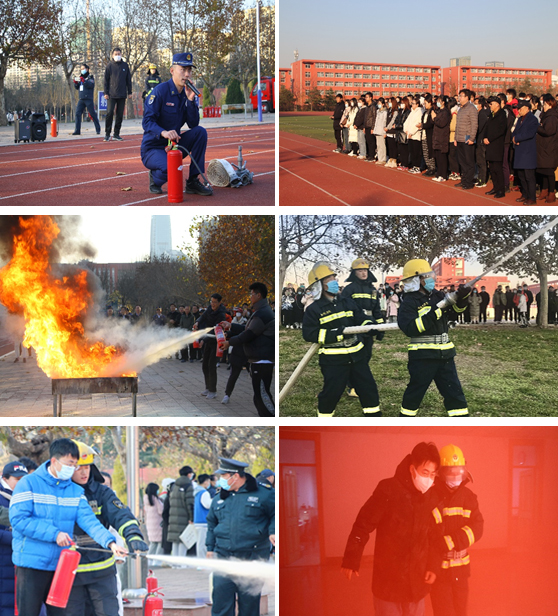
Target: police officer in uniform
362, 291
341, 356
95, 583
462, 524
153, 79
167, 108
86, 87
241, 525
423, 317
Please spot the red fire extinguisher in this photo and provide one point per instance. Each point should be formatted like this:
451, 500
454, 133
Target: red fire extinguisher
151, 582
53, 127
174, 175
63, 579
219, 334
153, 603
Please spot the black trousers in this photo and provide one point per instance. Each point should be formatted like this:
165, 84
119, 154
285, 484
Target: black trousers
236, 369
368, 343
338, 137
98, 597
441, 163
226, 592
370, 142
444, 375
497, 173
32, 591
528, 183
391, 144
483, 309
336, 378
84, 103
452, 156
262, 374
498, 312
403, 153
450, 596
119, 103
466, 158
209, 365
415, 149
481, 163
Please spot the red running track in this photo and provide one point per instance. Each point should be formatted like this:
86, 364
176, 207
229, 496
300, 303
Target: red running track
310, 173
84, 172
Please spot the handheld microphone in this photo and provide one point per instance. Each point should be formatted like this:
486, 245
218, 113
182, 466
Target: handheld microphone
193, 87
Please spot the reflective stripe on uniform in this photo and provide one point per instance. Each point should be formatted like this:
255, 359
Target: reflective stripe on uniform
408, 412
325, 414
375, 409
341, 350
438, 313
420, 325
322, 336
98, 566
449, 542
469, 532
466, 513
436, 347
129, 523
424, 310
437, 515
457, 412
456, 562
459, 310
337, 315
380, 321
361, 296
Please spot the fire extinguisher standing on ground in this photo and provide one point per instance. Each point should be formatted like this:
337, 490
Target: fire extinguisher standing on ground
174, 174
153, 602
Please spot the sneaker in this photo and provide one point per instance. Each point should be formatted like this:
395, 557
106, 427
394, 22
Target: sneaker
430, 173
337, 150
441, 179
76, 133
117, 138
218, 365
437, 179
352, 154
480, 184
211, 395
352, 393
401, 168
381, 162
205, 392
183, 361
361, 157
225, 400
414, 170
195, 187
107, 138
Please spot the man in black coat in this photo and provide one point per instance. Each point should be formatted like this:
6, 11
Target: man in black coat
409, 543
336, 117
485, 300
494, 140
118, 86
210, 318
369, 122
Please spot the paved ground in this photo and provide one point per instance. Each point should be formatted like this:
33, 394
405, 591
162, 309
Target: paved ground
168, 388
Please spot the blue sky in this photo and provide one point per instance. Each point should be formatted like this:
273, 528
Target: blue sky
520, 33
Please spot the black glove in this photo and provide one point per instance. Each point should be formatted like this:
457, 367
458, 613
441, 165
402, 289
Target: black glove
137, 545
380, 336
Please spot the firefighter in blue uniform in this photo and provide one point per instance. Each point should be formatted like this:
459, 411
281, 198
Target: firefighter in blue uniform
423, 317
462, 523
95, 585
241, 525
341, 356
362, 291
170, 105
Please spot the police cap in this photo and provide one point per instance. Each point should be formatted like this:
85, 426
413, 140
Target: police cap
183, 59
227, 465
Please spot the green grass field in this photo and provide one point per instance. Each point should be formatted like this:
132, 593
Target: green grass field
317, 127
505, 372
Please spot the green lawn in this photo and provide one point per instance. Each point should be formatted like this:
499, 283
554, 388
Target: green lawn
317, 127
505, 372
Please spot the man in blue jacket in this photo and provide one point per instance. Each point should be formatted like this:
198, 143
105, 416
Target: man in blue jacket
86, 88
525, 152
44, 509
169, 106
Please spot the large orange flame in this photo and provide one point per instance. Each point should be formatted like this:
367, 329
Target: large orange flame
54, 309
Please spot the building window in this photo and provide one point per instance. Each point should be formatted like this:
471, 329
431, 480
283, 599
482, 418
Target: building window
307, 74
307, 66
329, 65
321, 83
349, 67
339, 75
339, 66
282, 80
357, 76
320, 65
329, 83
348, 75
321, 74
307, 83
339, 84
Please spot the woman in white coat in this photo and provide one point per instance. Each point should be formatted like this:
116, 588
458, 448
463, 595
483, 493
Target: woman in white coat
412, 128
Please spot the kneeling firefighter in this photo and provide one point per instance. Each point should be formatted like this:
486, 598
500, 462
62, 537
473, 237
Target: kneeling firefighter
341, 356
423, 317
95, 589
362, 291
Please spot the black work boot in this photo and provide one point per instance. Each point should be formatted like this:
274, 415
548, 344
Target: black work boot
154, 188
195, 187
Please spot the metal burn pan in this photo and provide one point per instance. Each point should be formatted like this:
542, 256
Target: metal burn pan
96, 385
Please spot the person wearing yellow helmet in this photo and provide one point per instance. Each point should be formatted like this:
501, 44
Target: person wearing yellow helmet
152, 79
341, 356
363, 292
462, 524
424, 317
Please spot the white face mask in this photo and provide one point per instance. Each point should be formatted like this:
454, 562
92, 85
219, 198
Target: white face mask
454, 483
422, 484
401, 106
117, 58
359, 105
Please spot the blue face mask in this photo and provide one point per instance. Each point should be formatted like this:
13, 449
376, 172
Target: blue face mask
429, 284
223, 484
333, 287
83, 72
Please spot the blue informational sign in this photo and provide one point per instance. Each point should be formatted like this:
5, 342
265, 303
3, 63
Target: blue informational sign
102, 102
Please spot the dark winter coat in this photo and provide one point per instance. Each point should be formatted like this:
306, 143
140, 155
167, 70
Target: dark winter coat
118, 81
484, 114
258, 335
181, 508
525, 136
338, 111
510, 119
547, 140
408, 538
86, 86
6, 565
370, 117
360, 117
187, 320
364, 295
495, 132
211, 318
441, 132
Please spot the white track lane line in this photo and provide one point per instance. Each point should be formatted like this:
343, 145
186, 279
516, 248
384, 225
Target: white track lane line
117, 177
101, 162
441, 184
314, 185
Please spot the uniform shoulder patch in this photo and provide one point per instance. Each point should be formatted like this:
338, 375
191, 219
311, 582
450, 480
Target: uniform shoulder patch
151, 99
118, 503
265, 485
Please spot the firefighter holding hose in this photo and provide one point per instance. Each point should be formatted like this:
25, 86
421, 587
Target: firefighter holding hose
96, 578
341, 356
423, 317
44, 509
169, 106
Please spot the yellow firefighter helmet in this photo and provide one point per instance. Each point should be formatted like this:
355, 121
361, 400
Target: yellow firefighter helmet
451, 455
152, 66
86, 453
320, 270
360, 264
416, 267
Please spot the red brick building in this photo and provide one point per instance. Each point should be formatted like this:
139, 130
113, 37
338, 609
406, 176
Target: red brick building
489, 79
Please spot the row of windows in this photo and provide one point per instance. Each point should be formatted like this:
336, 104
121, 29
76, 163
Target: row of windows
359, 93
504, 79
349, 84
503, 70
359, 76
360, 67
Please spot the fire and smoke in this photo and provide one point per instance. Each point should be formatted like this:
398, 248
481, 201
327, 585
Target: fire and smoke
57, 307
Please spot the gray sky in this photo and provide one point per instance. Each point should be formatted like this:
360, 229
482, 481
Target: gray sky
520, 33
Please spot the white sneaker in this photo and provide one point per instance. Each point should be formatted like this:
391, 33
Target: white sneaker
361, 157
211, 395
436, 179
352, 154
225, 400
205, 392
